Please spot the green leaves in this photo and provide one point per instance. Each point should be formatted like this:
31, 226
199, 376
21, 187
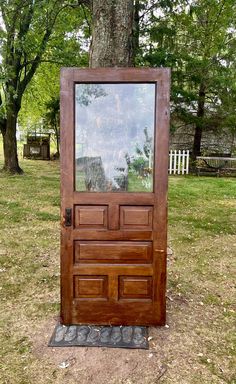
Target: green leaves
198, 42
36, 31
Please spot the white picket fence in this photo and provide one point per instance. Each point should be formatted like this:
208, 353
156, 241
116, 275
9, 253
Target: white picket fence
179, 162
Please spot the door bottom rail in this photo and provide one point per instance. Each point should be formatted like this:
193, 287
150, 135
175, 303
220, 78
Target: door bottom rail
99, 336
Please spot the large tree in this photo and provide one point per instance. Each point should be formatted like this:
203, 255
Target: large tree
112, 33
27, 28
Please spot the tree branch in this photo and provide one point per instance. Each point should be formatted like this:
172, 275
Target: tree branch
26, 63
23, 30
36, 61
86, 18
87, 3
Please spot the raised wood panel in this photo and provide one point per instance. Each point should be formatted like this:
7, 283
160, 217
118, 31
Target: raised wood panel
90, 287
90, 216
135, 287
115, 252
112, 269
136, 217
114, 235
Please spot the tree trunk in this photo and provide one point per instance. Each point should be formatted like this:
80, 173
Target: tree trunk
11, 163
136, 29
112, 35
199, 123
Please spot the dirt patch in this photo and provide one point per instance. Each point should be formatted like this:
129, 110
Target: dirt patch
181, 352
99, 365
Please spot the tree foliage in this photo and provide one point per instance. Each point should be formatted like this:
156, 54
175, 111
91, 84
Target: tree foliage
197, 40
33, 31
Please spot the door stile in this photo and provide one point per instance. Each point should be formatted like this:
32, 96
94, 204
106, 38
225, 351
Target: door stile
160, 191
67, 189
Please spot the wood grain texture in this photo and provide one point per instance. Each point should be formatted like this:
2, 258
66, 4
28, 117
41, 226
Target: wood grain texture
116, 250
136, 217
113, 252
113, 312
90, 216
135, 287
90, 287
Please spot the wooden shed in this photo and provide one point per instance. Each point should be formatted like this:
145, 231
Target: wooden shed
37, 146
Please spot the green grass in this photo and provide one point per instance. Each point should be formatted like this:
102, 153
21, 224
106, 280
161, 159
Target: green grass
204, 206
135, 182
198, 346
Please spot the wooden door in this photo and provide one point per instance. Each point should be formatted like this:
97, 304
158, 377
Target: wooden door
114, 170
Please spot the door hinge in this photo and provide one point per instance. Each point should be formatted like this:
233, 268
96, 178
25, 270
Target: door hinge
68, 217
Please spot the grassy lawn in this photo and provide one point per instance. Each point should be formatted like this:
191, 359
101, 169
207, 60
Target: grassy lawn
135, 183
197, 346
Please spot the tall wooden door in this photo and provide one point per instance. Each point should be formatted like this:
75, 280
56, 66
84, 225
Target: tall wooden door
114, 168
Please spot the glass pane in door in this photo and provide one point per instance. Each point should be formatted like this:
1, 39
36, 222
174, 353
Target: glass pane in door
114, 137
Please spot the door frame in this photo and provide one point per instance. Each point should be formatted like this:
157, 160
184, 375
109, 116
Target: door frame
69, 77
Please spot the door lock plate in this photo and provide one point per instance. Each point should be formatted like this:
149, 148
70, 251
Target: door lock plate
68, 217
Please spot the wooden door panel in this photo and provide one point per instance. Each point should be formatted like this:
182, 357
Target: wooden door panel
135, 287
136, 217
112, 235
113, 252
114, 270
90, 216
91, 287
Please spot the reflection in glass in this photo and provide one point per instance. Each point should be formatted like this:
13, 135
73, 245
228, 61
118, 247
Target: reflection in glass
114, 137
